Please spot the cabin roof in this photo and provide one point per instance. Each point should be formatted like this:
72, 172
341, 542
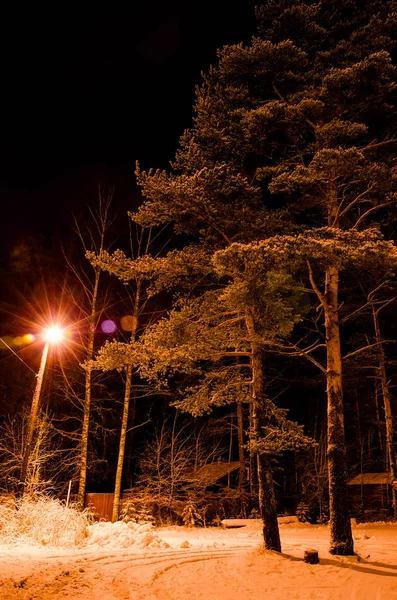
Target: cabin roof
371, 479
211, 473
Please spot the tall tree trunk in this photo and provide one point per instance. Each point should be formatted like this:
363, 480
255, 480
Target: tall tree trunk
267, 499
267, 503
390, 449
123, 436
87, 394
99, 224
84, 440
124, 419
253, 478
341, 539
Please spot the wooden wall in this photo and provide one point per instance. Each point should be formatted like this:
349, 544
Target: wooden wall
369, 499
101, 505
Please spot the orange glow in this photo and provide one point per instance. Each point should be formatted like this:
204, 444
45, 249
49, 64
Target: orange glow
129, 322
28, 337
53, 335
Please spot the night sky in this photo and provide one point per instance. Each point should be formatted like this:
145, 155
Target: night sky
86, 93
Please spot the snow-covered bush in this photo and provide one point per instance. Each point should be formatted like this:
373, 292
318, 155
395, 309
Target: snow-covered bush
135, 512
43, 520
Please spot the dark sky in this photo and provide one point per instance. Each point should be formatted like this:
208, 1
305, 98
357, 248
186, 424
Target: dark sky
87, 93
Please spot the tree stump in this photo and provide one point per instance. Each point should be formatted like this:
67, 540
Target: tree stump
311, 556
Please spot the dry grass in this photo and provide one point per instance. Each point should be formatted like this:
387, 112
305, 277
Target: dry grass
43, 521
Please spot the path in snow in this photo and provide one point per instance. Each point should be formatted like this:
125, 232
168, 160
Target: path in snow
213, 564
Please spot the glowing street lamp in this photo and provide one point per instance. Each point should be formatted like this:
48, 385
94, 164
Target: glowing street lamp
52, 335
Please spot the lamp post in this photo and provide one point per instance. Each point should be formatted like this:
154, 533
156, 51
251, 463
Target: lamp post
51, 335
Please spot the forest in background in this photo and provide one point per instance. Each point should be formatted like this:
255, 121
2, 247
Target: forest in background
263, 259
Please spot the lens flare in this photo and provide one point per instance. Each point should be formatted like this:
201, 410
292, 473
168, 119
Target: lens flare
128, 322
108, 326
53, 334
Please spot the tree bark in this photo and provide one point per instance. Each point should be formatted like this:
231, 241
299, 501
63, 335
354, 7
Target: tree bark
124, 420
123, 437
84, 440
267, 499
341, 539
253, 474
87, 395
267, 504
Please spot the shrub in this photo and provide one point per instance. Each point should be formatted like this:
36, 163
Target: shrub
192, 516
133, 511
44, 521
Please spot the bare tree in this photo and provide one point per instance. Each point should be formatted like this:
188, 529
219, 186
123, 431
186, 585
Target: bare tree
314, 477
171, 466
46, 459
376, 307
137, 281
92, 237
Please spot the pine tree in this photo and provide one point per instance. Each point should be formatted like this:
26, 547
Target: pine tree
303, 119
217, 339
290, 158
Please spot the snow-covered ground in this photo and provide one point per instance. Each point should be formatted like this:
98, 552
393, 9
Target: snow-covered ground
121, 562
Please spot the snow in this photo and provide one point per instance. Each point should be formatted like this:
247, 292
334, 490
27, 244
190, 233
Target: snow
138, 562
124, 535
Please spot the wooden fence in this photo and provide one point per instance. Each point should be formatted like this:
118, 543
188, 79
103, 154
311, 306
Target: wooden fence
100, 504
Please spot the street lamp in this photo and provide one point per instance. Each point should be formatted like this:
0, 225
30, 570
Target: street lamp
52, 335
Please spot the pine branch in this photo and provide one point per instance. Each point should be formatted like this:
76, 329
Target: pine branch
370, 210
319, 294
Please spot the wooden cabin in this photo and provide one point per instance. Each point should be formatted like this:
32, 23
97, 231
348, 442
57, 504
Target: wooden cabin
208, 477
370, 495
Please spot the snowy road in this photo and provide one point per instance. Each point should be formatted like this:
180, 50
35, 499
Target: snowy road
97, 576
203, 564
